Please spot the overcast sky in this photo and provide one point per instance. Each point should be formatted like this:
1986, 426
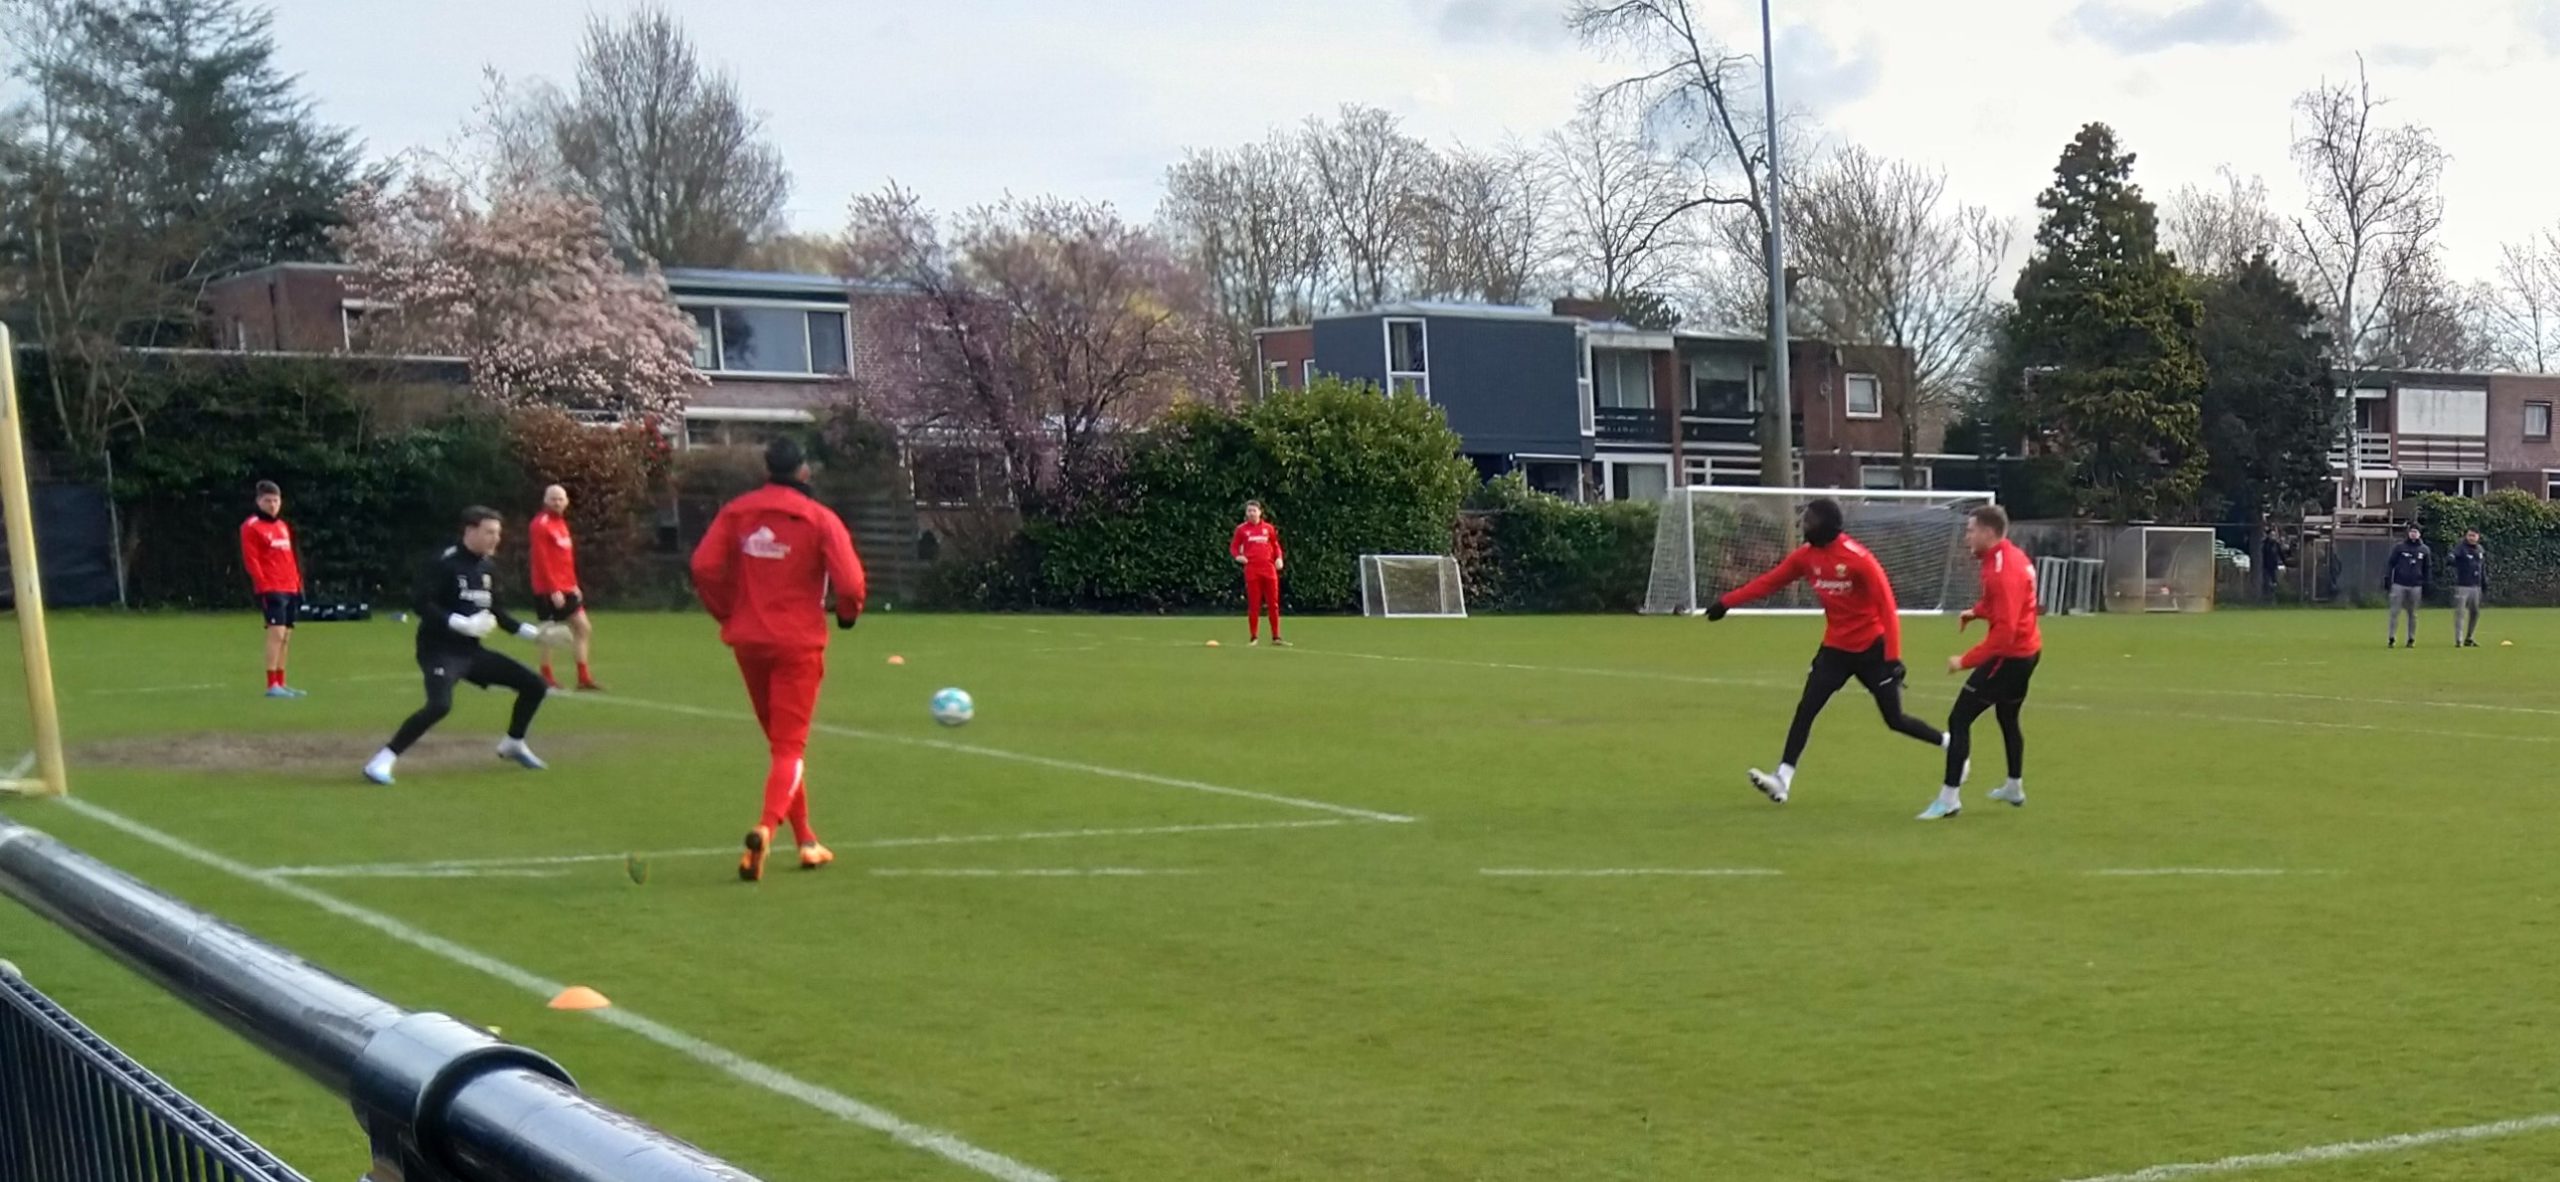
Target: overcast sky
964, 100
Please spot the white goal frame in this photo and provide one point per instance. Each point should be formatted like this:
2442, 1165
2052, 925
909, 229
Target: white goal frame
1683, 501
1374, 601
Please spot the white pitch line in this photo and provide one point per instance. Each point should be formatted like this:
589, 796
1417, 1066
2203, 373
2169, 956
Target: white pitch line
1635, 872
2338, 1151
1064, 765
837, 1104
1047, 872
461, 866
2201, 872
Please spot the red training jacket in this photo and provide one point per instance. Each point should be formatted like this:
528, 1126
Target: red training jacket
1258, 543
1857, 600
2009, 602
266, 550
764, 568
555, 560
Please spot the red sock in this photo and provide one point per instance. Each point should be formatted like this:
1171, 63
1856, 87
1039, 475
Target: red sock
584, 676
275, 678
801, 834
781, 784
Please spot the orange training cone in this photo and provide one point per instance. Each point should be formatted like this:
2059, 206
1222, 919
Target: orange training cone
895, 659
579, 997
1213, 644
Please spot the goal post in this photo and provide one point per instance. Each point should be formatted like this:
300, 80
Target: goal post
1411, 587
2160, 568
31, 743
1712, 538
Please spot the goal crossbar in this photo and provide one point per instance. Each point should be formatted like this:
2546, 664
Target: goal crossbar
1412, 587
1712, 538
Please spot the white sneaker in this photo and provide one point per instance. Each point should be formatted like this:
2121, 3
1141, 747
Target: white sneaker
378, 769
2013, 795
514, 750
1770, 786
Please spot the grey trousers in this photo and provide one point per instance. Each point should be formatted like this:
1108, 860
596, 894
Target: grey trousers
2404, 599
2466, 614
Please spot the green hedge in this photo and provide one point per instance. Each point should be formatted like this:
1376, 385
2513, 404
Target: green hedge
1524, 550
2520, 531
1341, 469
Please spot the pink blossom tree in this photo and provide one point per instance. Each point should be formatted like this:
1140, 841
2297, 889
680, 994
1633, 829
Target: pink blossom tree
1044, 326
526, 289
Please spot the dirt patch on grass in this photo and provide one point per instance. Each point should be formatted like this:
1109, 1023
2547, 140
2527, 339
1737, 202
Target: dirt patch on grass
300, 752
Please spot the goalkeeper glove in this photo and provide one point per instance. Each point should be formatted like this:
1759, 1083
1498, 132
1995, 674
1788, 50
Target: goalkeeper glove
1716, 610
475, 625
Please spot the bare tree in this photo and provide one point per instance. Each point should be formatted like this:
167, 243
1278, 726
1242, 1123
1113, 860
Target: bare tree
2216, 230
2374, 208
669, 149
1885, 259
1369, 183
1627, 219
1247, 222
2519, 313
1693, 82
2426, 321
1482, 232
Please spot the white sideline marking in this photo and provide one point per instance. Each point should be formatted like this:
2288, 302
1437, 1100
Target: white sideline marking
1635, 872
1054, 872
157, 689
2396, 1143
461, 867
833, 1103
2202, 872
1064, 765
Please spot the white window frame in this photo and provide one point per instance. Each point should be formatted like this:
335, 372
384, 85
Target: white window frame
1583, 385
1759, 380
347, 324
1609, 465
1618, 359
719, 352
1387, 340
1307, 374
1892, 474
2551, 484
2471, 488
1849, 397
2545, 406
1274, 376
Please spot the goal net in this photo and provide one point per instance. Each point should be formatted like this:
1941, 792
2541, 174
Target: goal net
2155, 568
30, 730
1409, 586
1711, 539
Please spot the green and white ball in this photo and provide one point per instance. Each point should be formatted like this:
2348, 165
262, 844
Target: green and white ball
952, 707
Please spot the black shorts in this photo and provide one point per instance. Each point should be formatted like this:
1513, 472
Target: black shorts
2002, 679
280, 610
571, 604
479, 667
1836, 667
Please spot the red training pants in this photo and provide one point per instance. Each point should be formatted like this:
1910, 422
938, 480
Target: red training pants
1261, 591
783, 683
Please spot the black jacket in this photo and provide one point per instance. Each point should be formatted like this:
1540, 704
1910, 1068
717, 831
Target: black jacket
2411, 563
454, 583
2470, 566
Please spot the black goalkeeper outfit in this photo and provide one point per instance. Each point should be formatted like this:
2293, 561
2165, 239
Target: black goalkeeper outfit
457, 583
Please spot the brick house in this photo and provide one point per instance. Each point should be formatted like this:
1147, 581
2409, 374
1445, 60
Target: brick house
2460, 433
1584, 406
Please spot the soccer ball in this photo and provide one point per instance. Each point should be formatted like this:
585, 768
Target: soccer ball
952, 707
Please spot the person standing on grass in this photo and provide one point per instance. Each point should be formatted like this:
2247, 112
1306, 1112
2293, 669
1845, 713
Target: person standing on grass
1256, 547
763, 571
457, 604
2002, 664
275, 578
1861, 636
556, 598
2470, 583
2404, 579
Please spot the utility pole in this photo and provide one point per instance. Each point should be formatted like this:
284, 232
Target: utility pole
1778, 463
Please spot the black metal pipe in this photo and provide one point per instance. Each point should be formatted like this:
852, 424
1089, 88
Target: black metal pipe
440, 1100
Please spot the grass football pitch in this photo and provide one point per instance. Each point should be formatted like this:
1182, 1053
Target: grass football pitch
1417, 900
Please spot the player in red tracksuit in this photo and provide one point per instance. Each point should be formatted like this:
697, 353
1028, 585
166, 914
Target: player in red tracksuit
1256, 547
2002, 664
556, 597
1861, 638
763, 570
275, 578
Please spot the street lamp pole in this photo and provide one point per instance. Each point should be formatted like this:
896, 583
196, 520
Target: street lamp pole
1781, 389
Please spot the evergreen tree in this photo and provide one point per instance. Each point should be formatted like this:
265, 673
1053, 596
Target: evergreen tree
2270, 411
2099, 352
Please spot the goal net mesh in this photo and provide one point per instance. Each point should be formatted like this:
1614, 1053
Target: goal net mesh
1710, 540
1411, 585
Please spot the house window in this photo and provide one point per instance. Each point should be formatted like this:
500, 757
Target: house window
1275, 377
1866, 396
350, 325
770, 339
1623, 378
1719, 395
2473, 487
2551, 485
1307, 374
2537, 421
1889, 476
702, 432
1408, 360
1638, 481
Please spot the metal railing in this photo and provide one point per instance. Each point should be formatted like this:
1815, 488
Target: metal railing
438, 1100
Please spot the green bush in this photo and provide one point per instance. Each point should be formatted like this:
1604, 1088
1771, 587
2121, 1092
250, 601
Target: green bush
2520, 531
1523, 550
1341, 469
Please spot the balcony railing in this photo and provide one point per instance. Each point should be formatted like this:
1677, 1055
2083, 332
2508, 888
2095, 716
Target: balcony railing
1698, 428
2443, 453
2372, 453
1629, 424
